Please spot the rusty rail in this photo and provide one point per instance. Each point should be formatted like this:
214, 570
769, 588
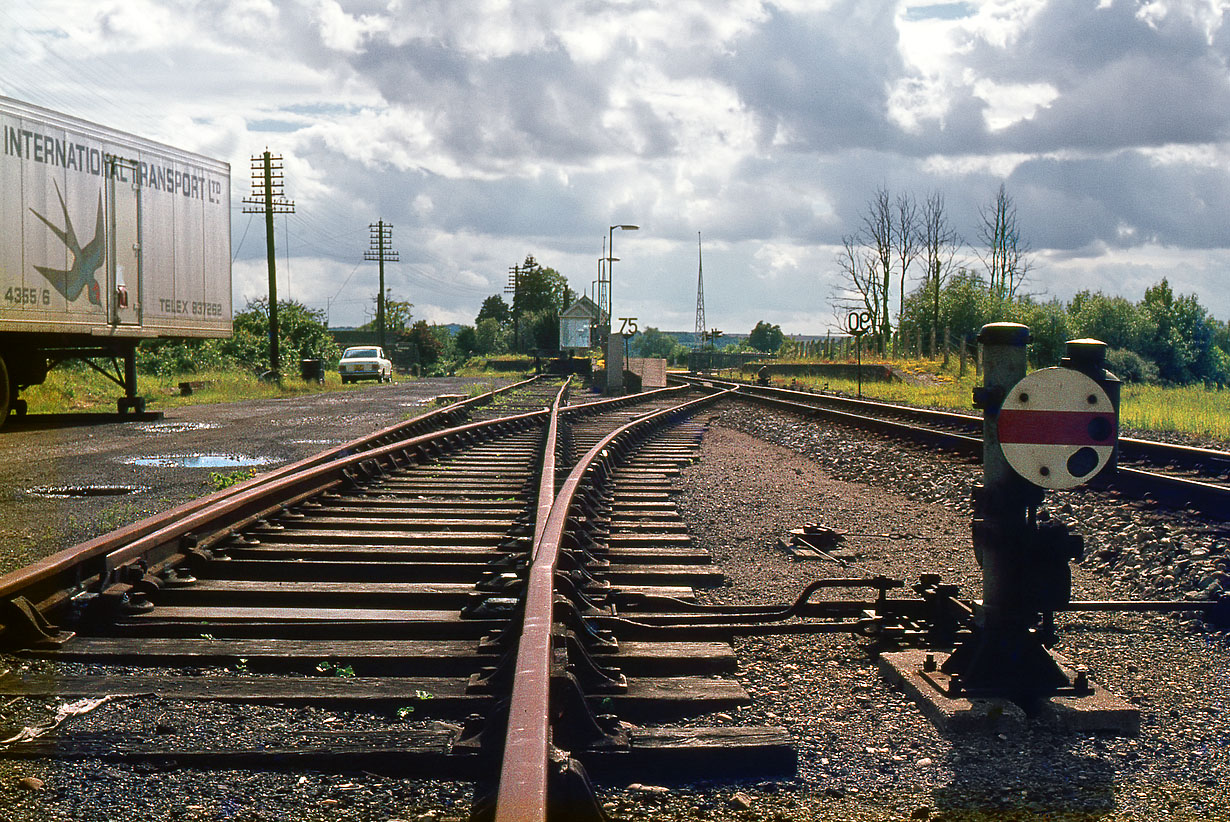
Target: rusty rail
524, 793
162, 539
72, 558
1176, 491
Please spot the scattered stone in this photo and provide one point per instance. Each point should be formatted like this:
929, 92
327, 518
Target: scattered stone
740, 802
648, 790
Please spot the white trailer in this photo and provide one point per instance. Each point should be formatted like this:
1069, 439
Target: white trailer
106, 239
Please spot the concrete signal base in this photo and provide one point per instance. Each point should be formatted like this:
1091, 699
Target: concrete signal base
1097, 711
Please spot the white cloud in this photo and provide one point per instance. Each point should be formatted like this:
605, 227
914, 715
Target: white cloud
1009, 103
485, 130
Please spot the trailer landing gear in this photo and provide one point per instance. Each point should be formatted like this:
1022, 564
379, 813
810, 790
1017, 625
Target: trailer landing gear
6, 391
130, 402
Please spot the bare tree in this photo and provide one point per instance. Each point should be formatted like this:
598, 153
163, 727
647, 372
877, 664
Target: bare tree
938, 243
906, 244
1005, 256
877, 235
863, 289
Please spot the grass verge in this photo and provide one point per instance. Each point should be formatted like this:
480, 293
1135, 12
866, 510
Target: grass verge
73, 390
1190, 411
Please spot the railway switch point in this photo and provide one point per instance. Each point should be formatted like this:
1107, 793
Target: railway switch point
1054, 428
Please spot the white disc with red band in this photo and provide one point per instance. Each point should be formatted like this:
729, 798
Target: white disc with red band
1057, 428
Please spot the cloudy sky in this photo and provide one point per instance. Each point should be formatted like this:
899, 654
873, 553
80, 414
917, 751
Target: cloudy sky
486, 130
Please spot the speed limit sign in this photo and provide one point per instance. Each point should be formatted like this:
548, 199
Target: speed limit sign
1057, 428
858, 322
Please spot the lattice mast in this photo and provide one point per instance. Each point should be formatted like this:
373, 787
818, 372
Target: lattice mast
700, 292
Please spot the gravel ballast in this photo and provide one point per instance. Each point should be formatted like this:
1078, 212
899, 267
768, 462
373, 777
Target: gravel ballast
865, 751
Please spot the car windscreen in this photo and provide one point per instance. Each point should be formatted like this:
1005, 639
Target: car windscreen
352, 353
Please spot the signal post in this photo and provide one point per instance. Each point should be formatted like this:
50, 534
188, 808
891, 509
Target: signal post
1053, 429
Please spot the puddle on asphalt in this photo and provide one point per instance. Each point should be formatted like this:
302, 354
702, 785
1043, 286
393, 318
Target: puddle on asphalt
178, 427
200, 461
85, 490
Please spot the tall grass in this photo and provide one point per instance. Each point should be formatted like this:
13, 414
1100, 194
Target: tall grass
1193, 411
933, 386
72, 389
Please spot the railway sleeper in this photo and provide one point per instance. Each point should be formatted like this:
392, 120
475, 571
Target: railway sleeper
663, 755
395, 657
653, 699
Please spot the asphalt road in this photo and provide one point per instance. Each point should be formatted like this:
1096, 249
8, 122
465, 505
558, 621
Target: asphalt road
38, 461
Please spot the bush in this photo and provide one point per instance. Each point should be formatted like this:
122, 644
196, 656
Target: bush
1130, 366
164, 358
301, 334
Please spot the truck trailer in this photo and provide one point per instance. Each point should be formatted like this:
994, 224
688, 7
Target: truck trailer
106, 239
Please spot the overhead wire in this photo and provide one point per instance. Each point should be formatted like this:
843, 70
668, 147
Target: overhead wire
242, 238
85, 91
88, 89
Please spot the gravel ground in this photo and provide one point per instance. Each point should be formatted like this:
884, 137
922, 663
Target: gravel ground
37, 458
865, 751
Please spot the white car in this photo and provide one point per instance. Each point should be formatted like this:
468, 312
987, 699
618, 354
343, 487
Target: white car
365, 362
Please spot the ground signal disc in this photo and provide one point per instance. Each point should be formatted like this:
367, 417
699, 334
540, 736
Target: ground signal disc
1057, 428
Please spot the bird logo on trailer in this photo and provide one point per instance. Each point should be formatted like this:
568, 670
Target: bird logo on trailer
1057, 428
86, 259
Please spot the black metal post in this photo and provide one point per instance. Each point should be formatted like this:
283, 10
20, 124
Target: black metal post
1006, 657
858, 338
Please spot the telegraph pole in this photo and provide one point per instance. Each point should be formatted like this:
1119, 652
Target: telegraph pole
267, 197
381, 236
514, 288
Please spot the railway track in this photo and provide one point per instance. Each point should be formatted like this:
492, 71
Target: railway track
464, 586
1174, 475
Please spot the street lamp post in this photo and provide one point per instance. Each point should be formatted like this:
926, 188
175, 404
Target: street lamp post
611, 258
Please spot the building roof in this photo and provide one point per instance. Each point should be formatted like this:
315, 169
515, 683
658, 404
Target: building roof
584, 308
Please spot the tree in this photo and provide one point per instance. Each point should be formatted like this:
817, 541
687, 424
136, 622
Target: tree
765, 337
466, 342
965, 305
426, 342
938, 243
906, 242
539, 330
542, 294
1048, 326
301, 333
653, 343
864, 289
397, 315
446, 359
877, 236
1005, 255
1113, 320
492, 336
866, 261
540, 288
494, 308
1181, 338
